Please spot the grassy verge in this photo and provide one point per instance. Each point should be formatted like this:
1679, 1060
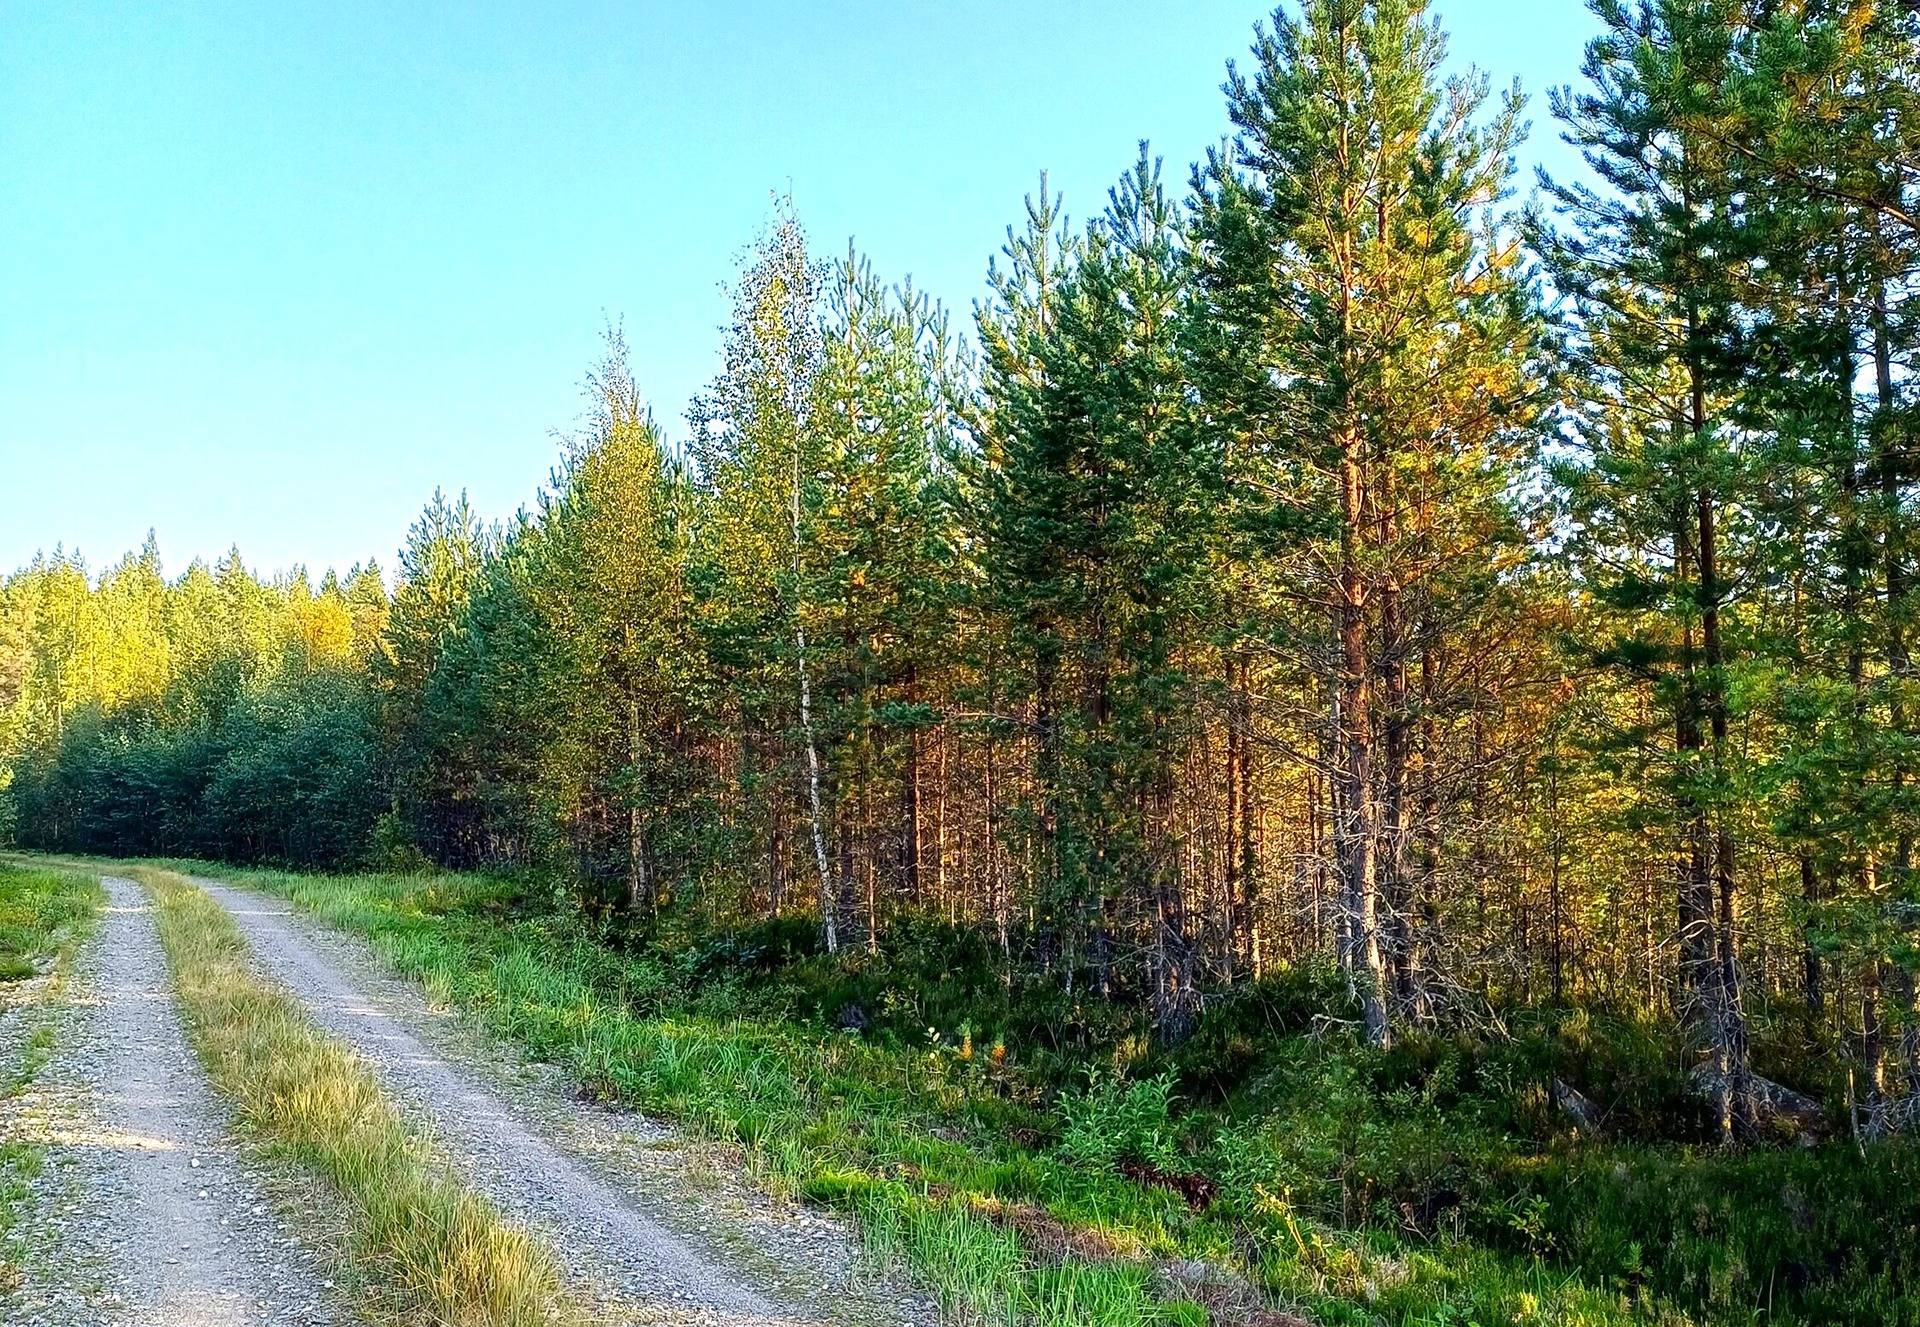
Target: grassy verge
1022, 1202
44, 915
830, 1119
434, 1249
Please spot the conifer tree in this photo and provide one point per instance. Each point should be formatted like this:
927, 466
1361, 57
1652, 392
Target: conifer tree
442, 558
1662, 492
1821, 126
1095, 524
612, 596
1010, 501
881, 407
1367, 365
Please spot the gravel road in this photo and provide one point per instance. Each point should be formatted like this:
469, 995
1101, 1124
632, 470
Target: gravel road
147, 1214
648, 1226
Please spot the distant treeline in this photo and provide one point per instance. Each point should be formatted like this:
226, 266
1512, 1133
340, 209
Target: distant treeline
1312, 558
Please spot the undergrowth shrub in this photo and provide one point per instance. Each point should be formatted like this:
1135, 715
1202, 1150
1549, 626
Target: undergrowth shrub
1109, 1121
1235, 1039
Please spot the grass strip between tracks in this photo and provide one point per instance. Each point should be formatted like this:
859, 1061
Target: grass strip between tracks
427, 1243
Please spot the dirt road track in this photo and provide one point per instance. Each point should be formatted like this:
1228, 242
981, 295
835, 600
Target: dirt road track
147, 1213
630, 1213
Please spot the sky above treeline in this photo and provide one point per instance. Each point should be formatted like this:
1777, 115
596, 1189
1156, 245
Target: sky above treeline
269, 274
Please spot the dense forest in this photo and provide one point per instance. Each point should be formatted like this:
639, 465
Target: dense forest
1343, 555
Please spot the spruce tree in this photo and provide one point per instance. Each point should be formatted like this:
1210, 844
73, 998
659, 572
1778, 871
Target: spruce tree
445, 551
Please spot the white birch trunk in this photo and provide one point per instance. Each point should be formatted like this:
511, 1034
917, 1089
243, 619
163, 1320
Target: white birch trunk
829, 929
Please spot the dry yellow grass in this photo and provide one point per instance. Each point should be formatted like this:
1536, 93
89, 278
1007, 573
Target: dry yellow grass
432, 1246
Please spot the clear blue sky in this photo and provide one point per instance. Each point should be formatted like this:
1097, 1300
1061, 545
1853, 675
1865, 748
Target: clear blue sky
269, 273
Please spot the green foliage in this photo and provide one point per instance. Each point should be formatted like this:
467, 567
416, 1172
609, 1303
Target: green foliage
1236, 1038
43, 914
213, 714
992, 790
291, 775
1109, 1121
1096, 494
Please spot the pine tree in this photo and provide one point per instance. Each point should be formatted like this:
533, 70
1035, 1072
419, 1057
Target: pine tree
1010, 501
883, 541
1094, 526
1663, 491
613, 599
1367, 365
1821, 124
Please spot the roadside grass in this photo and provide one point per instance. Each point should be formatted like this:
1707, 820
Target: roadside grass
735, 1082
433, 1249
1007, 1198
1434, 1186
45, 914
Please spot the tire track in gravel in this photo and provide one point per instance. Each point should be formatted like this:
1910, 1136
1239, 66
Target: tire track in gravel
147, 1213
606, 1190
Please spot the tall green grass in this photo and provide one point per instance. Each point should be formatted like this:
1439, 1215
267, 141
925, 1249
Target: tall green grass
963, 1168
45, 914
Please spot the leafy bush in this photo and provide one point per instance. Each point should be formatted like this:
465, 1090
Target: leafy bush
287, 773
393, 846
1109, 1121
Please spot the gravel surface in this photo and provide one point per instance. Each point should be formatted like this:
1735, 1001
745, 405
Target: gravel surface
147, 1214
652, 1229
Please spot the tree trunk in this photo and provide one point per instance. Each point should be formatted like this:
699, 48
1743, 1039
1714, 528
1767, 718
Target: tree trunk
1729, 1024
1247, 846
1812, 979
1397, 926
1696, 939
910, 790
1873, 1051
1887, 457
639, 869
1365, 963
1236, 922
829, 927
